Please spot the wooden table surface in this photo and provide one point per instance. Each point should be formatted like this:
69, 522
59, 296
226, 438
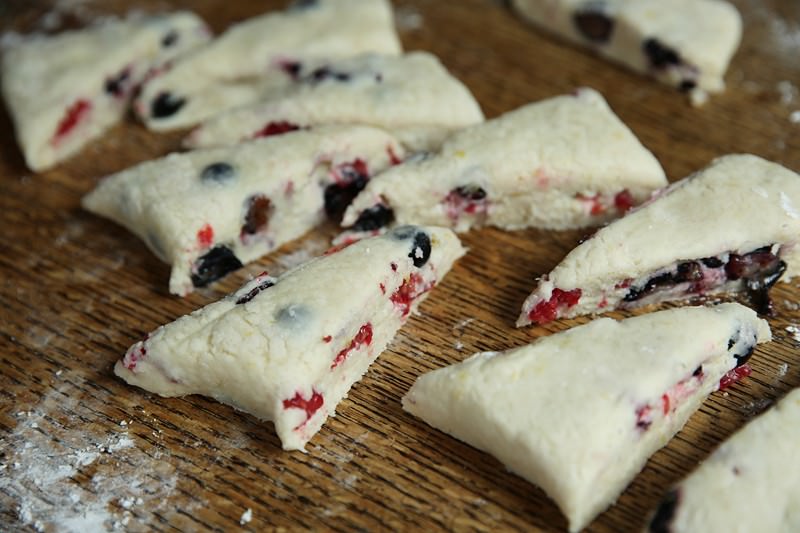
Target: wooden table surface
81, 450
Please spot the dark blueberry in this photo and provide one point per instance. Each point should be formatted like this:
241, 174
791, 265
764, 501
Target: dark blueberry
421, 250
651, 286
662, 520
255, 290
215, 264
762, 250
374, 218
170, 39
660, 56
688, 271
712, 262
742, 351
166, 104
218, 172
687, 85
116, 86
733, 340
292, 68
734, 268
698, 371
593, 24
325, 73
339, 195
760, 301
471, 192
293, 317
259, 211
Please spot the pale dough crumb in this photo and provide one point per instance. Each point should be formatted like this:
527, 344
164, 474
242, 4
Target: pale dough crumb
247, 516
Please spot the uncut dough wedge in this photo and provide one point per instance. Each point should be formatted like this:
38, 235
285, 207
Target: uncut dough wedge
578, 413
684, 43
750, 483
413, 96
66, 90
288, 349
565, 162
208, 212
731, 227
261, 52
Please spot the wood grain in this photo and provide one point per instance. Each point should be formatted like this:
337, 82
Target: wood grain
77, 291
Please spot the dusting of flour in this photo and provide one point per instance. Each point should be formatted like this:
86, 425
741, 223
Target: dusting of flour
57, 473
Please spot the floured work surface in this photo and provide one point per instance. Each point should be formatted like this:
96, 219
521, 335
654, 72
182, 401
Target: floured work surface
81, 450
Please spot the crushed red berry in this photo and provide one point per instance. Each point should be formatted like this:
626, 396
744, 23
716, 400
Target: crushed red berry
734, 375
364, 336
383, 288
275, 128
393, 159
327, 338
470, 199
624, 201
412, 287
394, 267
258, 214
547, 310
596, 207
76, 113
310, 406
205, 236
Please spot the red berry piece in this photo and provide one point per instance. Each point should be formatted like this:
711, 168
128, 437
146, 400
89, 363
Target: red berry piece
74, 115
205, 236
310, 406
363, 337
735, 375
411, 289
291, 68
548, 310
259, 211
624, 201
275, 128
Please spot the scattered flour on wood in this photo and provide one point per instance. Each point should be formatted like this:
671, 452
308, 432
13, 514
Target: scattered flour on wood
59, 473
794, 331
408, 18
783, 369
247, 516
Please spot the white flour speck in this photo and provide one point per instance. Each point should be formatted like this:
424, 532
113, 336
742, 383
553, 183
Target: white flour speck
794, 331
783, 369
788, 207
794, 117
247, 516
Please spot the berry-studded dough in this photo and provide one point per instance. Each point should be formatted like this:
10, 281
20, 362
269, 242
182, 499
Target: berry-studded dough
208, 212
751, 483
732, 227
413, 96
289, 349
684, 43
65, 90
579, 412
566, 162
233, 69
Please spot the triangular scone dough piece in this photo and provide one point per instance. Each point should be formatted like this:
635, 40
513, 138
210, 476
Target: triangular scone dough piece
566, 162
750, 483
65, 90
210, 211
579, 413
413, 96
731, 227
289, 349
230, 70
684, 43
